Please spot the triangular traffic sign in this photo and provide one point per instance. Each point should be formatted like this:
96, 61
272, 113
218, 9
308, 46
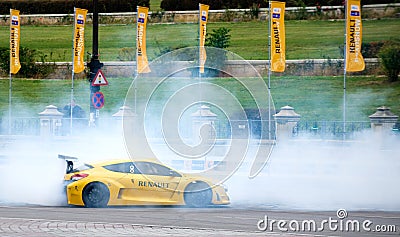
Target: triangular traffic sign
99, 79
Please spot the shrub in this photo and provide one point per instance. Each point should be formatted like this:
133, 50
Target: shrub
67, 6
29, 67
219, 38
390, 58
127, 54
179, 5
371, 49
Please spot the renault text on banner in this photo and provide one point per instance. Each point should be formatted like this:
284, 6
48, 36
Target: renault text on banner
14, 41
203, 31
79, 39
354, 58
141, 54
278, 58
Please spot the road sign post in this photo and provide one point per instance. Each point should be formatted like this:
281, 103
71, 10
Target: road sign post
94, 64
99, 79
98, 100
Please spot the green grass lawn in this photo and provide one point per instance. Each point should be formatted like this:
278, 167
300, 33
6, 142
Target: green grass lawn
314, 98
304, 39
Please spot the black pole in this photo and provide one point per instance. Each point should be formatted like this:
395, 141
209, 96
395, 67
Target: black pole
94, 64
95, 47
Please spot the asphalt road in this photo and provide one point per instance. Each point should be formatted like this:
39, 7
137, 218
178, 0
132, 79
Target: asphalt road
258, 213
180, 221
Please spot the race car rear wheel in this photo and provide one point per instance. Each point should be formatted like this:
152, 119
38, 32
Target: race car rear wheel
96, 195
198, 194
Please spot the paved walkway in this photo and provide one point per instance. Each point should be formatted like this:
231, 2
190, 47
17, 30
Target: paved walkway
48, 228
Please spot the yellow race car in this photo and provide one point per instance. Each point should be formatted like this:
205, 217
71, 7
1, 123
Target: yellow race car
144, 182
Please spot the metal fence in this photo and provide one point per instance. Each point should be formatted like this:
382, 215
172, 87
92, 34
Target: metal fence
20, 126
257, 129
330, 129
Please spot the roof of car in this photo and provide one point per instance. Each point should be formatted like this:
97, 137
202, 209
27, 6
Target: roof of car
116, 161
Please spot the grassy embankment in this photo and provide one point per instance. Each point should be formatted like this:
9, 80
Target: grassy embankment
304, 39
315, 98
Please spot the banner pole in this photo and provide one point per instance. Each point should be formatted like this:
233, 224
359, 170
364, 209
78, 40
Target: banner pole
72, 75
137, 57
345, 70
10, 87
9, 101
199, 30
269, 69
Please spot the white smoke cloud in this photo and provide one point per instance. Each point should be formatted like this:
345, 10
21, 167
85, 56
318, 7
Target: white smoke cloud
314, 174
31, 173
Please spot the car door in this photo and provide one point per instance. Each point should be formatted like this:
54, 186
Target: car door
128, 191
159, 183
126, 188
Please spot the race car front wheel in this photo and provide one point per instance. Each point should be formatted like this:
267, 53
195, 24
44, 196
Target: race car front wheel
198, 195
96, 195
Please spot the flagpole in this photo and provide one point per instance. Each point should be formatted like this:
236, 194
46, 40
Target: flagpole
9, 104
199, 30
345, 71
10, 87
72, 75
9, 96
137, 63
269, 70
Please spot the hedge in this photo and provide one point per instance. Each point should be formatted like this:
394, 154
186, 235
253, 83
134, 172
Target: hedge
176, 5
67, 6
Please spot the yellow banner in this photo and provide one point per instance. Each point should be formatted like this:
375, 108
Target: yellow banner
15, 27
203, 31
354, 58
141, 60
79, 39
278, 58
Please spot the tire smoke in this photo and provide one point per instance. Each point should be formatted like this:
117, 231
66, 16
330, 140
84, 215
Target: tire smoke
310, 174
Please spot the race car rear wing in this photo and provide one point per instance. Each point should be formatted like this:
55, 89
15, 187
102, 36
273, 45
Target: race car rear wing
70, 162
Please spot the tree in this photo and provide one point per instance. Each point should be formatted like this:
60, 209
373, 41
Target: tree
219, 38
29, 67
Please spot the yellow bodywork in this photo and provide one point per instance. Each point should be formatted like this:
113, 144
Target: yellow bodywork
134, 188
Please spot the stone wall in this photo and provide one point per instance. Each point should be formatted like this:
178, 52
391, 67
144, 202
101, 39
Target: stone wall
310, 67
